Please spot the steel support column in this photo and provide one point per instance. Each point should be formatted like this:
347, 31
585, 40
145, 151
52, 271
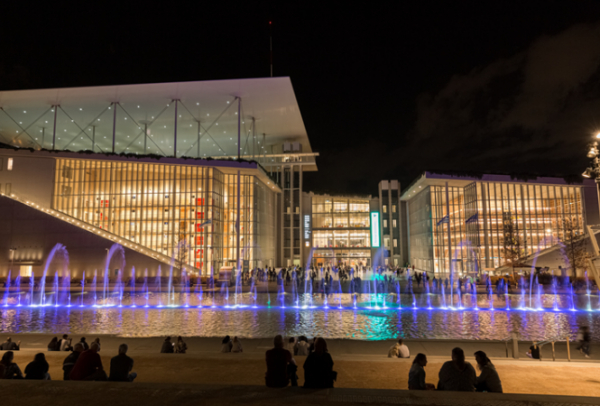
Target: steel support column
175, 132
239, 143
198, 146
114, 137
54, 131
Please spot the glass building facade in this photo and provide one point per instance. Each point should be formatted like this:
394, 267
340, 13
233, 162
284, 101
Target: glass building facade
341, 231
182, 210
465, 228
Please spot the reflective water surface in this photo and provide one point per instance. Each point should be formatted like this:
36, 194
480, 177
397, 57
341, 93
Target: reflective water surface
337, 317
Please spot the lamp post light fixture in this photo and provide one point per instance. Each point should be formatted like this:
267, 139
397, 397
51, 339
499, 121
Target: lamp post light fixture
593, 171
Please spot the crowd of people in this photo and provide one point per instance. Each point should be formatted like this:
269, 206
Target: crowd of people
83, 363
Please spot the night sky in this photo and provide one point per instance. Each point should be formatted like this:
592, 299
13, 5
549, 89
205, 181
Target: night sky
386, 92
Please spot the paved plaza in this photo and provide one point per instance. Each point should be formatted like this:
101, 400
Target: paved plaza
360, 365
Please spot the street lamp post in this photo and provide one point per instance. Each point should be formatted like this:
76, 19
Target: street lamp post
593, 171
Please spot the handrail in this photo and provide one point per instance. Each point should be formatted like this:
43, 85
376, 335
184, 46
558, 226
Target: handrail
98, 231
552, 341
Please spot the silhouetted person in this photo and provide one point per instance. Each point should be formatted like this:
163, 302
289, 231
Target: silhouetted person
9, 369
236, 345
280, 365
488, 380
89, 366
54, 344
226, 344
85, 345
167, 346
457, 375
318, 367
71, 359
9, 345
416, 375
38, 368
180, 346
121, 366
534, 351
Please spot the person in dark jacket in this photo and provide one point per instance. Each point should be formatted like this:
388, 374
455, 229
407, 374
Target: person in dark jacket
121, 366
38, 368
89, 366
280, 365
167, 346
318, 367
8, 369
70, 361
54, 344
9, 345
84, 343
457, 375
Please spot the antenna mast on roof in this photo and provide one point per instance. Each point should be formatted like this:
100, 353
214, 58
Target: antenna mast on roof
271, 46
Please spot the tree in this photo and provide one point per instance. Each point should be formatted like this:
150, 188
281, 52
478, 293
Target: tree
575, 245
181, 253
513, 250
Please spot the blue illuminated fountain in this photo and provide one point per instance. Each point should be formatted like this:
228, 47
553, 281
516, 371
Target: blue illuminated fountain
125, 288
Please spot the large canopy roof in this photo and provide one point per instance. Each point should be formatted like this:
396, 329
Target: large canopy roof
87, 117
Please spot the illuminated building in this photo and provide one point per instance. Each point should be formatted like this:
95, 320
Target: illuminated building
463, 223
205, 172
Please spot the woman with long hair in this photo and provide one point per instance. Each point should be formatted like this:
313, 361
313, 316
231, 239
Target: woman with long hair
8, 369
226, 344
318, 367
54, 344
38, 368
416, 375
488, 380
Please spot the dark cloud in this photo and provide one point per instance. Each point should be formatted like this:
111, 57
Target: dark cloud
531, 112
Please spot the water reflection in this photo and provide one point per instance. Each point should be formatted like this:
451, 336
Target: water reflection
201, 319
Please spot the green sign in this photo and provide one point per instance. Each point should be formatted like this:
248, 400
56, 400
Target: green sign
375, 230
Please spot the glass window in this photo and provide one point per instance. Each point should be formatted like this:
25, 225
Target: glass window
394, 223
385, 223
386, 242
393, 208
340, 239
359, 239
384, 208
395, 243
10, 164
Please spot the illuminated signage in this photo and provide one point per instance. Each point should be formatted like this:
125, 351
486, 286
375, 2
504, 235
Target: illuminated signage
375, 229
307, 227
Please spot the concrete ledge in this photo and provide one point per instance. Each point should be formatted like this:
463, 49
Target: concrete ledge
60, 393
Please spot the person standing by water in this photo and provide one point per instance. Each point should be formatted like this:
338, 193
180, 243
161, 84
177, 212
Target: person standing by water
584, 339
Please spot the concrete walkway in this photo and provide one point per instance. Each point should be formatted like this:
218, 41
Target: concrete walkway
360, 364
349, 349
26, 393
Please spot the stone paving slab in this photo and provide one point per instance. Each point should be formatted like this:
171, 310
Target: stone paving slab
339, 347
17, 393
